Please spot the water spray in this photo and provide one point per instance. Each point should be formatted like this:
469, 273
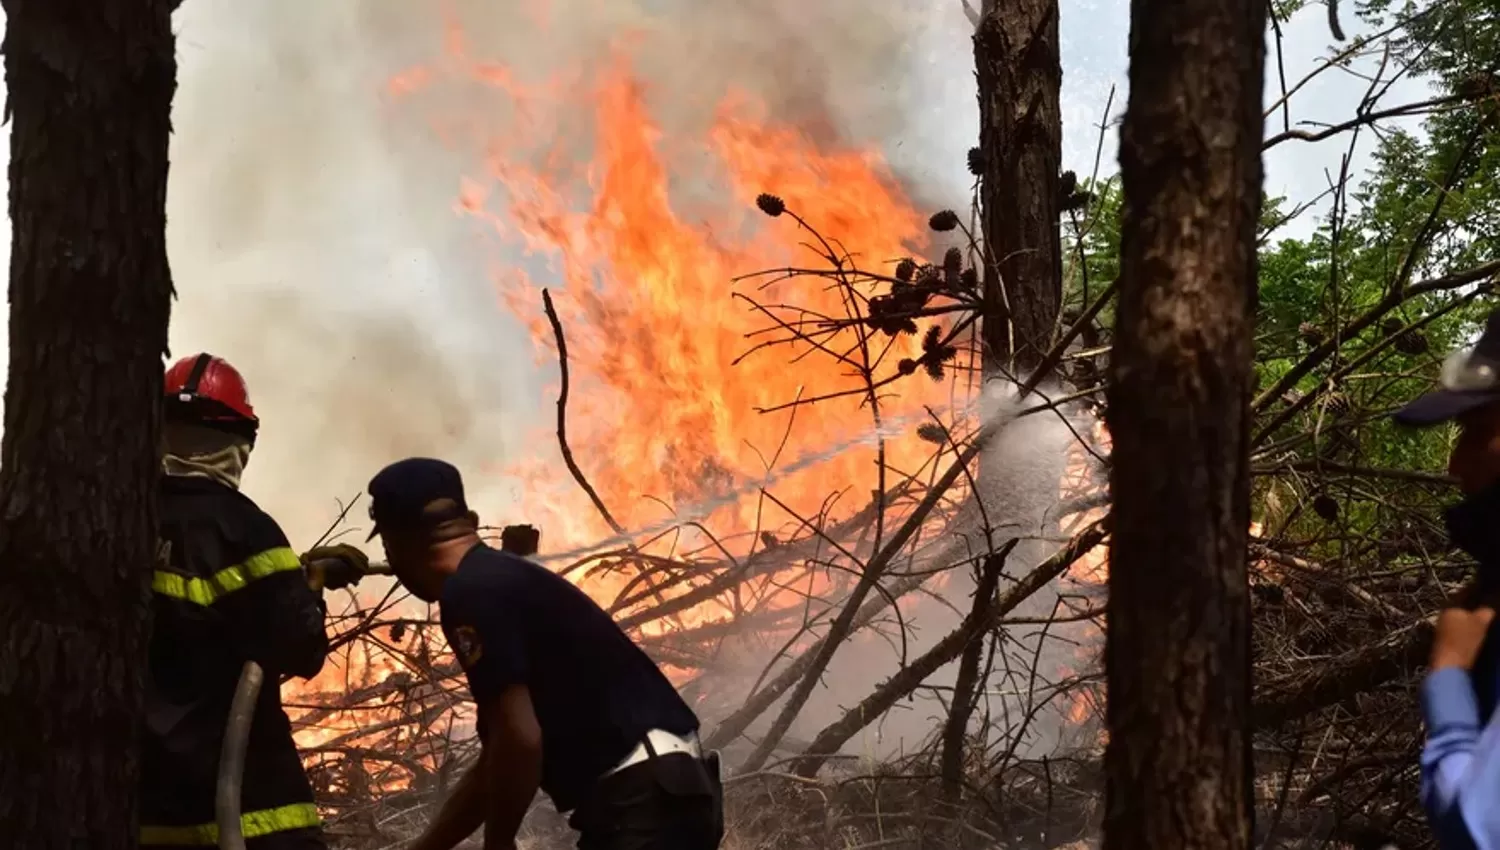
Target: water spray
700, 511
994, 409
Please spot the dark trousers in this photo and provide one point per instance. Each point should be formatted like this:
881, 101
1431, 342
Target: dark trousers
291, 839
669, 802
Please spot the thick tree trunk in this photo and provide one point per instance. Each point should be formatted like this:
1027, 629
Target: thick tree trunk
90, 91
1177, 654
1019, 72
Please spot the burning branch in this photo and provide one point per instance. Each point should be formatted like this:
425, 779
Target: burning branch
898, 686
562, 416
955, 731
758, 612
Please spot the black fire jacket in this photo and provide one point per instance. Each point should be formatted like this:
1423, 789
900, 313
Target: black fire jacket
232, 590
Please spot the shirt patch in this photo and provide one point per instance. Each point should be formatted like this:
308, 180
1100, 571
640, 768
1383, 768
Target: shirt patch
466, 643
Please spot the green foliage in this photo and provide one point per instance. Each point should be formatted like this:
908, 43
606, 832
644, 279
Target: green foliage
1091, 241
1284, 9
1446, 39
1428, 209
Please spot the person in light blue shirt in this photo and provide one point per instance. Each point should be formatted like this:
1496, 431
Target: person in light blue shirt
1461, 759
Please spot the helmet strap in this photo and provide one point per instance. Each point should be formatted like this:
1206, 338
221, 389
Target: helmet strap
190, 386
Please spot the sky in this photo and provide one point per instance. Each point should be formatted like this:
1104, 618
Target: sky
313, 228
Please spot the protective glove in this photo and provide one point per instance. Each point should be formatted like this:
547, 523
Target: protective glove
520, 540
335, 567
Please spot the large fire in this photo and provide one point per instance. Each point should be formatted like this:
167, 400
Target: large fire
640, 239
659, 414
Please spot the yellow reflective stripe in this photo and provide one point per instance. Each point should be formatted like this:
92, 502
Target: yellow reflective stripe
207, 591
252, 824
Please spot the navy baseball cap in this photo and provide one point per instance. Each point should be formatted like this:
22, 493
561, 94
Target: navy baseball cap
1474, 383
401, 492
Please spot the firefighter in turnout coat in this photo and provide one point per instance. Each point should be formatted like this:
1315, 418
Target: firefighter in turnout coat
227, 589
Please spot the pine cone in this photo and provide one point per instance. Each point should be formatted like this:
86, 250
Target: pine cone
953, 265
976, 162
932, 433
943, 221
1067, 183
1326, 507
770, 204
1412, 343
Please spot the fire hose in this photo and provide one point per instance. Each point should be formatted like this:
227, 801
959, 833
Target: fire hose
517, 539
232, 757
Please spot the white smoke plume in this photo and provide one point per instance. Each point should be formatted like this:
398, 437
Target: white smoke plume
315, 241
1018, 477
312, 224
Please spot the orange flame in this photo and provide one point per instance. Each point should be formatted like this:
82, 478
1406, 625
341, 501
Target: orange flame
657, 410
642, 243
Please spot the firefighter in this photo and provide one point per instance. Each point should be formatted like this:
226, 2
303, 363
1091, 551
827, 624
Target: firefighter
227, 589
566, 702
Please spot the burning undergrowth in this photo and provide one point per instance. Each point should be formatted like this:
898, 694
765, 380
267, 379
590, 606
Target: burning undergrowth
386, 741
873, 574
818, 649
615, 157
385, 730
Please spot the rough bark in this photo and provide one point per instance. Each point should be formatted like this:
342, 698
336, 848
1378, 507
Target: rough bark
1019, 72
1018, 69
1177, 654
90, 92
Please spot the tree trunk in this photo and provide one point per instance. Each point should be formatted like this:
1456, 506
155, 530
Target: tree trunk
1177, 654
1019, 72
90, 92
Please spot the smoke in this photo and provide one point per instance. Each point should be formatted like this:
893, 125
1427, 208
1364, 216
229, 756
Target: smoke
315, 241
324, 261
1027, 692
312, 221
316, 244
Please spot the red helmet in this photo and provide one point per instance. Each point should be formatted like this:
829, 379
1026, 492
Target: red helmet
205, 389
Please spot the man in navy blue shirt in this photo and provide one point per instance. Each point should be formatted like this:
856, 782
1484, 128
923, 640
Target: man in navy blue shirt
567, 703
1461, 760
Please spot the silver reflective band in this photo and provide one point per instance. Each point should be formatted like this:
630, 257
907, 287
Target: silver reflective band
1466, 372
